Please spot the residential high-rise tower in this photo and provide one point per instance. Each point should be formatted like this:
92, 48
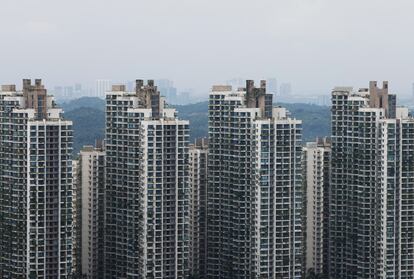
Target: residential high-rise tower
35, 184
316, 178
254, 186
89, 187
198, 207
147, 189
372, 201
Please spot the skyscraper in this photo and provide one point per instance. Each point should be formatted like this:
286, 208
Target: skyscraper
271, 86
68, 92
371, 228
316, 178
78, 90
89, 212
198, 207
285, 89
167, 89
254, 186
412, 90
147, 189
102, 86
35, 185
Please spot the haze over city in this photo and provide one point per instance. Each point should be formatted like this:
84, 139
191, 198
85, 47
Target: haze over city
312, 44
206, 139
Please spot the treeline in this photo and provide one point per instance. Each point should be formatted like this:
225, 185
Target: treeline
88, 116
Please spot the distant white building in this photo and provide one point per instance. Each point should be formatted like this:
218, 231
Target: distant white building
271, 87
167, 89
412, 91
102, 86
285, 89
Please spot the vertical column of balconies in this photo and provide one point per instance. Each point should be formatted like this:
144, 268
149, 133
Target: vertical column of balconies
288, 198
198, 207
405, 250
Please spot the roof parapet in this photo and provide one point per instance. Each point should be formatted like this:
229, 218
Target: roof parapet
221, 88
256, 97
118, 87
8, 88
149, 96
36, 97
379, 98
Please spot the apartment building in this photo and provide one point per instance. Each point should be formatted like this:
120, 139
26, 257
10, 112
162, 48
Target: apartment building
254, 186
316, 178
147, 186
372, 200
35, 184
89, 212
198, 207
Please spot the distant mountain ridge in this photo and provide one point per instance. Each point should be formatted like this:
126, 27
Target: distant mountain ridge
88, 116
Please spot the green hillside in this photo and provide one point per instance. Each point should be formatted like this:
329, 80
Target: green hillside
88, 118
88, 125
85, 102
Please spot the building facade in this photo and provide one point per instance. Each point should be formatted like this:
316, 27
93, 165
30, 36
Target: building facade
198, 207
35, 185
254, 186
147, 186
89, 212
316, 178
371, 231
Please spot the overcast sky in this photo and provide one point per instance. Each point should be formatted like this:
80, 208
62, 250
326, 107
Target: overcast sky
314, 44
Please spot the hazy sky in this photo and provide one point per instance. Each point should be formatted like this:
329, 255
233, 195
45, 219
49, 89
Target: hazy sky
315, 44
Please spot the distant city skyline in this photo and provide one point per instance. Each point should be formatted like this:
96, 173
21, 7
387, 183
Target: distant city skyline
314, 44
78, 89
283, 92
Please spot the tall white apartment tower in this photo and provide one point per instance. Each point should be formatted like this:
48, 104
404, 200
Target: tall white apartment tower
198, 207
372, 200
254, 186
89, 212
147, 190
35, 185
316, 178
